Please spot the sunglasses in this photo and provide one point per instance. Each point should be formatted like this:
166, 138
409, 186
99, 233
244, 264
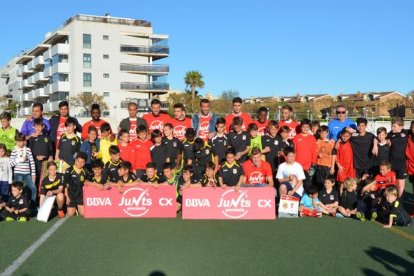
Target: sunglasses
340, 112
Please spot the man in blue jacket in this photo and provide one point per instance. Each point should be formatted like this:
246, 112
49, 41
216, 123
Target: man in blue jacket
204, 122
28, 129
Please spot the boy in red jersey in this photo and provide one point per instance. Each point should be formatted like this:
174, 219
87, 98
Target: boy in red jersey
142, 146
126, 149
344, 158
305, 147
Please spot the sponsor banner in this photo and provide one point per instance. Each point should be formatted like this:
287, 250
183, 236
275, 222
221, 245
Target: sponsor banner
217, 203
288, 207
139, 201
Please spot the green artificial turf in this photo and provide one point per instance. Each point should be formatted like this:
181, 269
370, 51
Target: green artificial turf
321, 246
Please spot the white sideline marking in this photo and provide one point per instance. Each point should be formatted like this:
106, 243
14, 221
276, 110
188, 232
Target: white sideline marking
30, 250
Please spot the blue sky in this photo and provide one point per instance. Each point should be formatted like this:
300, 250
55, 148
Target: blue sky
256, 47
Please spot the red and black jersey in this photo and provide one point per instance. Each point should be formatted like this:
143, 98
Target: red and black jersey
383, 181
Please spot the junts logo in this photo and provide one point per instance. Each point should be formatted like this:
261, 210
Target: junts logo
179, 131
157, 124
136, 202
204, 128
256, 178
234, 205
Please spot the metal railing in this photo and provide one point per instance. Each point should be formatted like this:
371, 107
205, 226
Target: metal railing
165, 50
144, 86
158, 68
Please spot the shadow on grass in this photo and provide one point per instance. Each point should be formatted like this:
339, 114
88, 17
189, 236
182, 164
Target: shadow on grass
157, 273
392, 263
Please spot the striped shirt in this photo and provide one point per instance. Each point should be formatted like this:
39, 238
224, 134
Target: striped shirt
22, 161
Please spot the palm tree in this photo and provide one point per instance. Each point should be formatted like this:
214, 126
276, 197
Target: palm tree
193, 79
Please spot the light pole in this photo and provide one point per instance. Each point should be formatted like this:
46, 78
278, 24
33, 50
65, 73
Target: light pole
279, 107
307, 111
17, 112
115, 107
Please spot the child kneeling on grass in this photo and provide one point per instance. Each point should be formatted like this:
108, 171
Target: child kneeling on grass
17, 207
392, 211
309, 203
53, 184
348, 203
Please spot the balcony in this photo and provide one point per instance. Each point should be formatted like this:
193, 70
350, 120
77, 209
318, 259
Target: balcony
39, 77
47, 72
61, 86
26, 84
24, 70
59, 48
47, 55
157, 52
145, 86
40, 93
149, 69
39, 61
54, 106
60, 67
30, 95
24, 97
47, 89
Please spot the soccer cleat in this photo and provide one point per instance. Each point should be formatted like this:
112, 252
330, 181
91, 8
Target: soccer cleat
374, 216
8, 219
22, 219
360, 216
61, 214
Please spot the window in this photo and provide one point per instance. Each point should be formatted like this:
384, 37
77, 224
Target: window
105, 113
87, 41
105, 56
59, 59
106, 75
106, 94
373, 109
59, 77
87, 79
105, 37
59, 96
87, 93
87, 61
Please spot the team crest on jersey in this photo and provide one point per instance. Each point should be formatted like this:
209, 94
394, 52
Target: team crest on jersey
73, 143
402, 134
244, 137
174, 144
234, 171
331, 197
276, 142
82, 178
21, 201
207, 151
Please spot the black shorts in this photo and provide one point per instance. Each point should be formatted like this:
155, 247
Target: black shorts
400, 169
75, 201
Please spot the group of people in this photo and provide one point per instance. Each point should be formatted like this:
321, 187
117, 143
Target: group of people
339, 169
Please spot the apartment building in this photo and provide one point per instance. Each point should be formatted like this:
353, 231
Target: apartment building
118, 58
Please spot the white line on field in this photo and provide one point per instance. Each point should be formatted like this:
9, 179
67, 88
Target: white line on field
30, 250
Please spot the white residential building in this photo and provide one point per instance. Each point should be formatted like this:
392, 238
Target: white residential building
111, 56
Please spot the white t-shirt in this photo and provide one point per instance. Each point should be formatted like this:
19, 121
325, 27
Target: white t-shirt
296, 169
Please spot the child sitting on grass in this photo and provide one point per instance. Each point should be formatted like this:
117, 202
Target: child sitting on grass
17, 207
309, 204
392, 211
328, 197
348, 203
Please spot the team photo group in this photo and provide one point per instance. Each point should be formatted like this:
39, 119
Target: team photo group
338, 169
